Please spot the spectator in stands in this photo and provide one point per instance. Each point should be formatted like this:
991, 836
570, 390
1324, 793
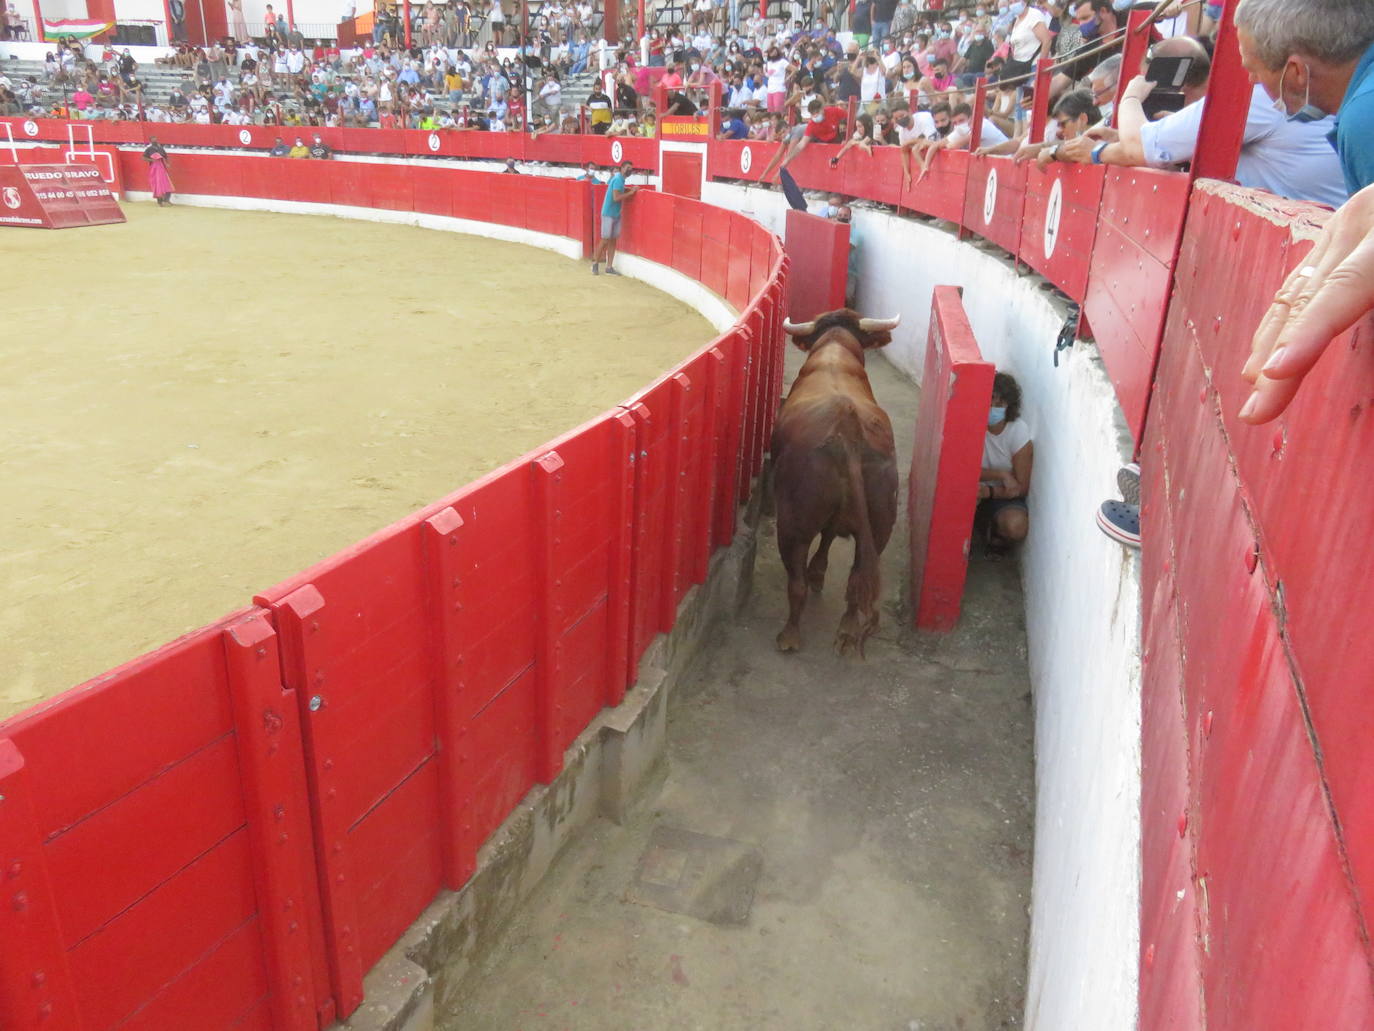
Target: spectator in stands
1008, 455
599, 109
822, 126
14, 23
1331, 291
1316, 58
732, 126
1074, 114
1029, 39
958, 137
1102, 82
1288, 157
319, 150
861, 137
299, 150
280, 149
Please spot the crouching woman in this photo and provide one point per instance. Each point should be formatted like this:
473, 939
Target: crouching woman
1007, 458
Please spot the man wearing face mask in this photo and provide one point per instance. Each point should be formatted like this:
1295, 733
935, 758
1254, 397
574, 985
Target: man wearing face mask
1316, 58
1289, 157
822, 126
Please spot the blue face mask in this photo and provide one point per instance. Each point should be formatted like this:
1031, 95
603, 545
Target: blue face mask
1089, 29
996, 414
1016, 9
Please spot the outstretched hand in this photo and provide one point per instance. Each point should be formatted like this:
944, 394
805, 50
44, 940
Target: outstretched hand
1319, 301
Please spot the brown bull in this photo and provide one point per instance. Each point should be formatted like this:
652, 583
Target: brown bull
834, 470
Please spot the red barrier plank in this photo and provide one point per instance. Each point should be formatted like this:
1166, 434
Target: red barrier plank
1139, 226
118, 854
147, 947
397, 864
1060, 216
225, 990
687, 240
819, 250
992, 200
942, 192
35, 981
946, 458
183, 683
267, 733
737, 274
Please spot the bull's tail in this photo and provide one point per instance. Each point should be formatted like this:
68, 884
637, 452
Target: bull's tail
862, 592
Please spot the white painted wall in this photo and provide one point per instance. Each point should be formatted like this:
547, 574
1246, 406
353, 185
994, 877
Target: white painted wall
1082, 596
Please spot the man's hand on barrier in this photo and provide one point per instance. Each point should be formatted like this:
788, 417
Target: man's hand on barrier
1078, 149
1319, 301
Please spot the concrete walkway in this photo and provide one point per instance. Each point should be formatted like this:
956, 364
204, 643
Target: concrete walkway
847, 843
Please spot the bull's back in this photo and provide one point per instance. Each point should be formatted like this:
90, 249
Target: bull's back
811, 420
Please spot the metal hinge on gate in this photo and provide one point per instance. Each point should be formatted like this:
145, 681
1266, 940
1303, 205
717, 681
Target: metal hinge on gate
1068, 332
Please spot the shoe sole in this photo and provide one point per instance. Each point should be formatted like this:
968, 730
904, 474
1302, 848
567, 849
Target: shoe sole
1116, 533
1128, 482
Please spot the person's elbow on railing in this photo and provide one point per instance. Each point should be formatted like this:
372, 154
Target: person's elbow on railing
1331, 291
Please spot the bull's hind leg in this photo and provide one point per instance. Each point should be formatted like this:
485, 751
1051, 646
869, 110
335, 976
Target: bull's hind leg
793, 549
861, 617
815, 569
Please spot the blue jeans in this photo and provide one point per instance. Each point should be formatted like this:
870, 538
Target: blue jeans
881, 29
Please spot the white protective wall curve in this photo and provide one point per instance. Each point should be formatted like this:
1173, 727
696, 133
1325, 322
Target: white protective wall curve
1082, 597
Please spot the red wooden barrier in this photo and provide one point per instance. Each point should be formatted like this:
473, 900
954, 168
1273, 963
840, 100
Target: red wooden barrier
1138, 230
198, 808
992, 204
820, 265
1059, 223
432, 674
942, 490
1253, 723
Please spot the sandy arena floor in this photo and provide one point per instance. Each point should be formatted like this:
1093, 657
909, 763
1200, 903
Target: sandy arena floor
258, 391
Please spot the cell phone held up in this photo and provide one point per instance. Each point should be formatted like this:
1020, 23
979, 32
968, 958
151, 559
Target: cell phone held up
1168, 74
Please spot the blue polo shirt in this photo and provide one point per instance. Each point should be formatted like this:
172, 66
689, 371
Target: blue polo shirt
1353, 136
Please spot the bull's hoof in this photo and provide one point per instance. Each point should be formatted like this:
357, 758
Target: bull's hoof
852, 634
789, 639
815, 579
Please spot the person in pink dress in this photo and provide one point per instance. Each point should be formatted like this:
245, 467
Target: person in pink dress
159, 178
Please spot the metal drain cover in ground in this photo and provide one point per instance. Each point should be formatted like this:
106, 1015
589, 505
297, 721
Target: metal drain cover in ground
712, 879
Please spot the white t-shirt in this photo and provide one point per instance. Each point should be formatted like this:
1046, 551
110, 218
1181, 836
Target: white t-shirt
777, 75
922, 128
873, 86
1291, 159
999, 447
1024, 45
959, 135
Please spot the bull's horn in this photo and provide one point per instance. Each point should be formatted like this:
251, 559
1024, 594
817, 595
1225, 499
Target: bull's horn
798, 329
879, 325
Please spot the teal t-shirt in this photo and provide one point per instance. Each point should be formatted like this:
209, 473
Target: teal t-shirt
610, 207
1354, 135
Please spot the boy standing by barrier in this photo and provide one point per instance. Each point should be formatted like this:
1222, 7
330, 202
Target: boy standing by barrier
616, 194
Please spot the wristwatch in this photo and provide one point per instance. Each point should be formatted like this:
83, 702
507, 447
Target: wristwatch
1053, 151
1097, 152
